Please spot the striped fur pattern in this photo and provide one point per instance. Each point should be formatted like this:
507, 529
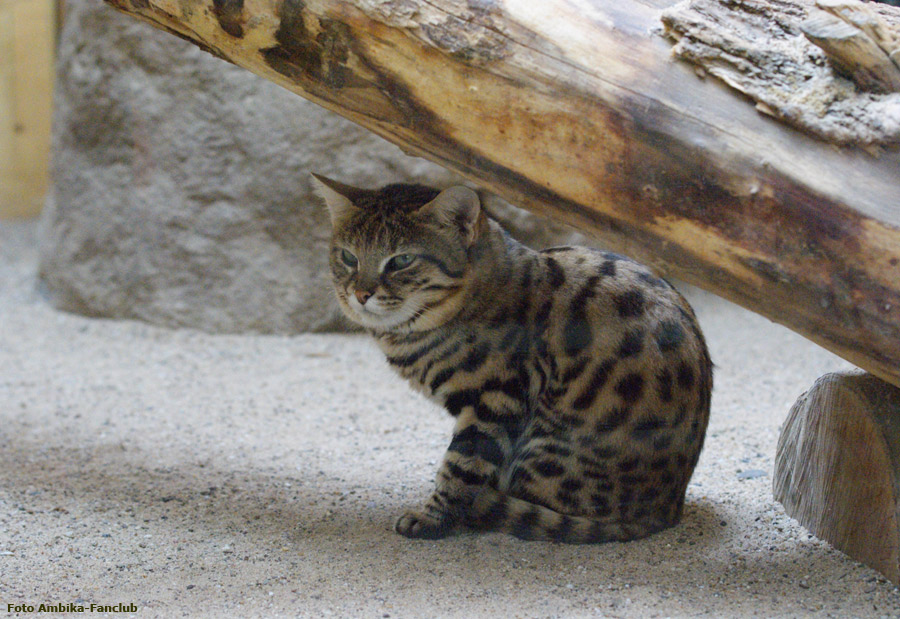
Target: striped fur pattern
578, 380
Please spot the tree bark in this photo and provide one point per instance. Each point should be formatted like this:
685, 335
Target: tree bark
574, 109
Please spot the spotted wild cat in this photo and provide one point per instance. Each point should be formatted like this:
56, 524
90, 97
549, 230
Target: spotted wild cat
579, 381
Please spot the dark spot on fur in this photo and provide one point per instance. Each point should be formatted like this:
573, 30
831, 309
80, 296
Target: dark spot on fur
563, 531
662, 443
567, 499
459, 400
525, 523
473, 442
664, 382
409, 359
685, 376
513, 334
597, 533
669, 336
577, 336
647, 428
612, 420
630, 304
525, 283
679, 416
549, 468
476, 357
540, 320
631, 344
496, 514
590, 473
571, 484
605, 452
599, 377
630, 387
470, 478
556, 275
600, 505
558, 450
628, 465
486, 414
574, 370
441, 377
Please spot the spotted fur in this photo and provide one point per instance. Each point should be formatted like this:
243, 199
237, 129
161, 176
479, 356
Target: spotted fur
579, 381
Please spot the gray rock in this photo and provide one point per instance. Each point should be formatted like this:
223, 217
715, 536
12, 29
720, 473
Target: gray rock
181, 192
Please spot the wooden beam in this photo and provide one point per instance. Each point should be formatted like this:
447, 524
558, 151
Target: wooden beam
837, 468
574, 109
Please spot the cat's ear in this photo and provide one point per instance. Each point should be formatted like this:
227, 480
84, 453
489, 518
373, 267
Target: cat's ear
338, 197
456, 208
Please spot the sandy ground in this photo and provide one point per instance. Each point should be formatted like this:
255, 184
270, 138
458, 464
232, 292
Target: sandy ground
199, 475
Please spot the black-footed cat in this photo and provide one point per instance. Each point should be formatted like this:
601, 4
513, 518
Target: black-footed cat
579, 381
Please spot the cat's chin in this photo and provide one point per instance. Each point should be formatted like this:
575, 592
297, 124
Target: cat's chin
378, 322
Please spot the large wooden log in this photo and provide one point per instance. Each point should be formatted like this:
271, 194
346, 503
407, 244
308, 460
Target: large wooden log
575, 109
837, 468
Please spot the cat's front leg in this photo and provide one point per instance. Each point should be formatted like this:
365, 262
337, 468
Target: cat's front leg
472, 461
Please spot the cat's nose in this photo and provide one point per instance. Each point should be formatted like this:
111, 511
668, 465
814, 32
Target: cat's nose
362, 296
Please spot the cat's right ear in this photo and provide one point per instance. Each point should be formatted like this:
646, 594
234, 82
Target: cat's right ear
457, 208
338, 197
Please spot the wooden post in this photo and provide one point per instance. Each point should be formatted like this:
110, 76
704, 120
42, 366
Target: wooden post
27, 34
837, 468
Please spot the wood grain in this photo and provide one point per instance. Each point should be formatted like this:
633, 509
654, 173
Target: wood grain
837, 467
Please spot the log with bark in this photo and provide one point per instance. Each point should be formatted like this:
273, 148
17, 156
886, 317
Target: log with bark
575, 109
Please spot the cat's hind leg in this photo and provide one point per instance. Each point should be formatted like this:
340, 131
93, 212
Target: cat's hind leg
553, 491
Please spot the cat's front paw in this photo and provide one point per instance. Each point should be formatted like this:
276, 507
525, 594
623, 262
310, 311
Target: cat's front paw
422, 526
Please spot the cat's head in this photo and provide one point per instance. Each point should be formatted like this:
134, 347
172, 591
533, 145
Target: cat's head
400, 254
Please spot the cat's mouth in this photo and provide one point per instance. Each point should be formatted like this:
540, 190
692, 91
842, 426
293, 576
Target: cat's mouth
373, 316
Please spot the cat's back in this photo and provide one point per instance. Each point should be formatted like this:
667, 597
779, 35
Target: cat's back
610, 310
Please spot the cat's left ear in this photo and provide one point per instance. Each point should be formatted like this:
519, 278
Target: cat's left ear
457, 208
338, 197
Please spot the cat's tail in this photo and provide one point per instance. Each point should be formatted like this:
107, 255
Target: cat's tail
493, 510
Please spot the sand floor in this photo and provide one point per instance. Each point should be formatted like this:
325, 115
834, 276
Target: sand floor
199, 475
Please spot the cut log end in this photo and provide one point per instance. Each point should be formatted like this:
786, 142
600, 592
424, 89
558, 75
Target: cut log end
837, 467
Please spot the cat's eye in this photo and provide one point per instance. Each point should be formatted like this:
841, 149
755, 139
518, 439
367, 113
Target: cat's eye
400, 261
349, 259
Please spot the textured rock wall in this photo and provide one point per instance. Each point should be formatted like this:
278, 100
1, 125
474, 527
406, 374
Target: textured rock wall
181, 193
